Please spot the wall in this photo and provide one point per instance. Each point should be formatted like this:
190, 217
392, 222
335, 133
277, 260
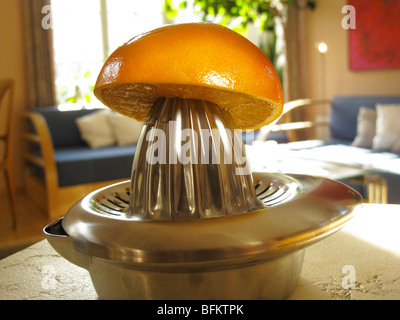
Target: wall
325, 24
12, 65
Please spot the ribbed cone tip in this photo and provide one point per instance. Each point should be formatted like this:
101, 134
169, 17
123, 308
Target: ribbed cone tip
190, 164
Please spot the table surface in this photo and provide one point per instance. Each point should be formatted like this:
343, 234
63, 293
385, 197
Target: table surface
361, 262
315, 158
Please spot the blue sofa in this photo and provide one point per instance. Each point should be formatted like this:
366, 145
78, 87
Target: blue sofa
344, 111
343, 130
61, 168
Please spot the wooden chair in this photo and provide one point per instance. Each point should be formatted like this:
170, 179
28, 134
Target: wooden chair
44, 190
6, 136
285, 122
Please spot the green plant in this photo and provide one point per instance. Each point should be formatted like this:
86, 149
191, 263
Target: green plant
239, 14
82, 90
249, 11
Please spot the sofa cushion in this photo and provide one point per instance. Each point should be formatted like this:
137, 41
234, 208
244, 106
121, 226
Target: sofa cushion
344, 112
85, 165
126, 130
387, 127
366, 128
95, 130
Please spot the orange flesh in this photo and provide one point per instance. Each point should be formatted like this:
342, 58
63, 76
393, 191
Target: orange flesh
135, 100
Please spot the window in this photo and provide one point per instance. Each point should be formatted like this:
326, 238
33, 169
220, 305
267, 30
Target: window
86, 32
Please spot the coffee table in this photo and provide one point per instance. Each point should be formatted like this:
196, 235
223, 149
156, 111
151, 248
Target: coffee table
334, 162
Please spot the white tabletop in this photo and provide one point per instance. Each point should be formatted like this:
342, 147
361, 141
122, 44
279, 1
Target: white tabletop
361, 261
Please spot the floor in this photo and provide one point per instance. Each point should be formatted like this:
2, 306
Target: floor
31, 221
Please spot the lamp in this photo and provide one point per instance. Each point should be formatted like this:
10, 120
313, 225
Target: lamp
322, 49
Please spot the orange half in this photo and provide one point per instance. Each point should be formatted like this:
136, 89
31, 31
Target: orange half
202, 61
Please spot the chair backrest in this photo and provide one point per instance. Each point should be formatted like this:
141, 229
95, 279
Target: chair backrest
6, 112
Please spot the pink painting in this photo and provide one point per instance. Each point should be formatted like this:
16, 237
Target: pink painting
375, 42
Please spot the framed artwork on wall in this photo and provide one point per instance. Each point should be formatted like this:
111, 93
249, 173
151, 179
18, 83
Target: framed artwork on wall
375, 41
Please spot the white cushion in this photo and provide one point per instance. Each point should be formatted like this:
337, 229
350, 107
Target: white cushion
126, 130
95, 129
396, 147
366, 127
387, 127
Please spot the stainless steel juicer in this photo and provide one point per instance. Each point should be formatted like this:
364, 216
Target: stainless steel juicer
194, 222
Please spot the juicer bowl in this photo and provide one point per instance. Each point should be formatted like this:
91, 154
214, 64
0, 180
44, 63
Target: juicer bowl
257, 255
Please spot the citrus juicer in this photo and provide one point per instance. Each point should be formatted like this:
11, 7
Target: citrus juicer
194, 222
